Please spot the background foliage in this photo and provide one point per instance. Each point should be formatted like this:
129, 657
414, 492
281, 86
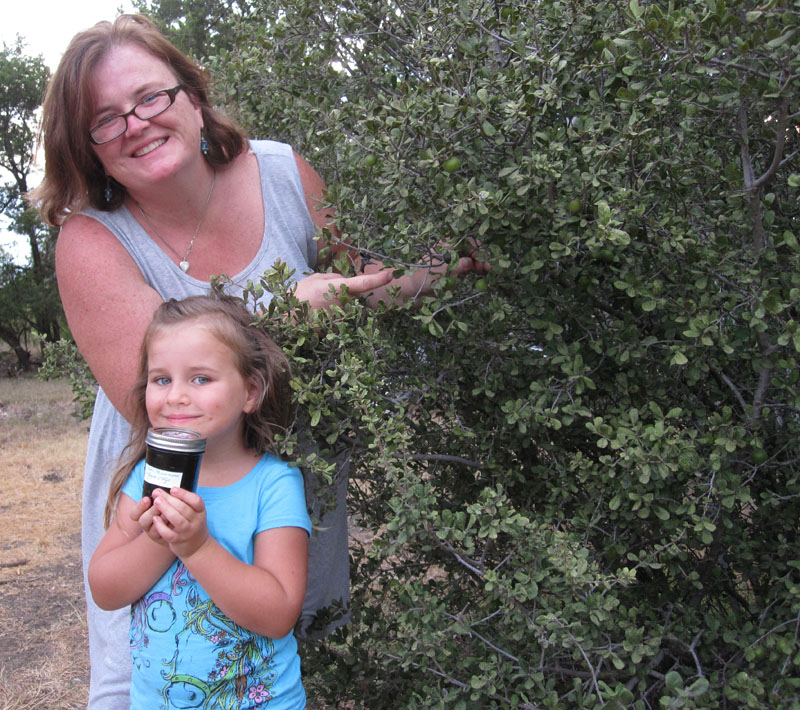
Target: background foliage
29, 303
578, 477
201, 28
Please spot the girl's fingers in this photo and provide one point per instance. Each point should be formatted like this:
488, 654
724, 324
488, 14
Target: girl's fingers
192, 500
140, 508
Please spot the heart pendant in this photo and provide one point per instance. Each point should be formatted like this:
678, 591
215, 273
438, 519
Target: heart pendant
184, 266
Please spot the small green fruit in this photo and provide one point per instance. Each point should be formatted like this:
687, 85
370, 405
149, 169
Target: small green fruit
574, 206
481, 285
759, 456
370, 160
451, 165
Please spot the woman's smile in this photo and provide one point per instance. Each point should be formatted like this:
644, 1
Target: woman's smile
149, 147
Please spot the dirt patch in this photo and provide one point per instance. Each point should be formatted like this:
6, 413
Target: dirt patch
44, 658
43, 648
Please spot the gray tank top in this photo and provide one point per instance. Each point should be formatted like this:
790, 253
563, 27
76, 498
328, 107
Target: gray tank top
288, 236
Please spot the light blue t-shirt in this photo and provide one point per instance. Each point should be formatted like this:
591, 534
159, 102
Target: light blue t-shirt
186, 653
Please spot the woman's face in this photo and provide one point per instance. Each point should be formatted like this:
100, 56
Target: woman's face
149, 151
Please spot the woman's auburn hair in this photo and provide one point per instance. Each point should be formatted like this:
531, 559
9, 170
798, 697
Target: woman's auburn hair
74, 177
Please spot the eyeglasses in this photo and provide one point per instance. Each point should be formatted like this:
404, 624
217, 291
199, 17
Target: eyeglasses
150, 106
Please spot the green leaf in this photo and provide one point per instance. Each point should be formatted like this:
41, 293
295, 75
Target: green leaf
699, 688
679, 358
673, 680
603, 212
780, 41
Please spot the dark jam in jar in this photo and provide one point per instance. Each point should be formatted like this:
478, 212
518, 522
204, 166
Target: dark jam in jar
172, 458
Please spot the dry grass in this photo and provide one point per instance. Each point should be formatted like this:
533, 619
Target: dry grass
43, 649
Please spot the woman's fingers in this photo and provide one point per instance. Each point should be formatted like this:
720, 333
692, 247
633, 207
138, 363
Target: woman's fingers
366, 283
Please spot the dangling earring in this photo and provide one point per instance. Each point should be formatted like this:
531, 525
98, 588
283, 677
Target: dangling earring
108, 192
203, 143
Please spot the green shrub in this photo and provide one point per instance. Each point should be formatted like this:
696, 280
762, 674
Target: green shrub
575, 483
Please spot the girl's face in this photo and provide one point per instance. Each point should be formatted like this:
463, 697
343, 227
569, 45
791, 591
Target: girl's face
149, 150
193, 383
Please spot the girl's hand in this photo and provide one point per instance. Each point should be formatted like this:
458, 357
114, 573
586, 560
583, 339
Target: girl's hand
143, 512
180, 521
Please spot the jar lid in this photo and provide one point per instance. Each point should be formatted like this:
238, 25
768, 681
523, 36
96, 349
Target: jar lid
176, 439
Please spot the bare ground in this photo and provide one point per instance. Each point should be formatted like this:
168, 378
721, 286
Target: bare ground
43, 649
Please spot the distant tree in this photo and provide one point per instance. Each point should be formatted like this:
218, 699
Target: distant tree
29, 291
201, 28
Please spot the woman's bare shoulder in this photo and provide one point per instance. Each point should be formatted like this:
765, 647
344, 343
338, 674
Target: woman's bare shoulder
81, 236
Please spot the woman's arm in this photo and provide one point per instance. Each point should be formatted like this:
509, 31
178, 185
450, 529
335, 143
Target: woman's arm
265, 597
107, 303
127, 562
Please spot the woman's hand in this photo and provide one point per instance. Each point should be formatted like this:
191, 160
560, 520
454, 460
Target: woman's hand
421, 281
322, 290
377, 283
180, 521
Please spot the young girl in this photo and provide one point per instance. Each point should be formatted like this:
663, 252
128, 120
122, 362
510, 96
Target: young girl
216, 578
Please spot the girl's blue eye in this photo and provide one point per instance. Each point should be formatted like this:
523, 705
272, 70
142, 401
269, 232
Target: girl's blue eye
161, 380
201, 380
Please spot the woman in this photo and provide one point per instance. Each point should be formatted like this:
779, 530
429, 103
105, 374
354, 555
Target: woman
155, 193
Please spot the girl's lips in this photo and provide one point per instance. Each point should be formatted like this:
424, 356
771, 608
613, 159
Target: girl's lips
176, 419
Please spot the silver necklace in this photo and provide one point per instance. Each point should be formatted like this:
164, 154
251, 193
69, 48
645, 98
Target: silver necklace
184, 263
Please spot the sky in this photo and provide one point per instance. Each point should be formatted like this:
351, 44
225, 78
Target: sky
47, 27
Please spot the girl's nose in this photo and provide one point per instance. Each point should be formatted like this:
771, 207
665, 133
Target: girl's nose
177, 394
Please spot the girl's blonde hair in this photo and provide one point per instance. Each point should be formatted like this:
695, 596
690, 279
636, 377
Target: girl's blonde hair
256, 357
74, 177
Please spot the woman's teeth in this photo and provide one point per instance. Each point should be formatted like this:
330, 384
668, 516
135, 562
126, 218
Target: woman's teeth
150, 147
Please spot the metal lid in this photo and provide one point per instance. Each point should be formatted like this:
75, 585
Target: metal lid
176, 439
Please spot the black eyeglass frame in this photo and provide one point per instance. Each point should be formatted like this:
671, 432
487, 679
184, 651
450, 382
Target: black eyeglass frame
171, 93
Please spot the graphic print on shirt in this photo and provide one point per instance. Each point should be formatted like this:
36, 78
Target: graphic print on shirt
234, 668
156, 612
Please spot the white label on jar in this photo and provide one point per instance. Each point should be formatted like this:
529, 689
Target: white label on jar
160, 477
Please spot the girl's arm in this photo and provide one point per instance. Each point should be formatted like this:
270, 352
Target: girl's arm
265, 597
127, 562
